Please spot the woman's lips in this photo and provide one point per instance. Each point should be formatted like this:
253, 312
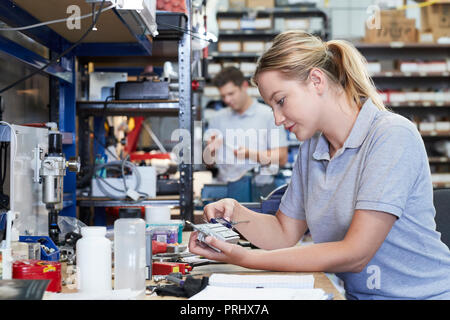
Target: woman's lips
290, 128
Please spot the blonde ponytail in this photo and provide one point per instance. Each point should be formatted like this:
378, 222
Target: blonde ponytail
295, 53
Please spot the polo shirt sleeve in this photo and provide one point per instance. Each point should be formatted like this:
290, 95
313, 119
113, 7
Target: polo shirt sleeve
392, 166
214, 128
292, 204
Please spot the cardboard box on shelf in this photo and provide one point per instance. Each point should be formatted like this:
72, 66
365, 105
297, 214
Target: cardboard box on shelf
253, 46
392, 14
229, 24
443, 126
393, 29
214, 68
237, 4
229, 46
409, 66
427, 126
296, 24
397, 96
373, 67
435, 20
231, 64
211, 91
260, 4
413, 96
248, 23
248, 68
263, 23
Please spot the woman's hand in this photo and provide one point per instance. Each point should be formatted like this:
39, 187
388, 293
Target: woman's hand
225, 208
230, 253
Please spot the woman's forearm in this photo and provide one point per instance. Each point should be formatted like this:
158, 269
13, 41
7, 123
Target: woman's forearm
274, 235
323, 257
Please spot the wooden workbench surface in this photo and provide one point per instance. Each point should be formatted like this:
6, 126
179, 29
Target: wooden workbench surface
320, 279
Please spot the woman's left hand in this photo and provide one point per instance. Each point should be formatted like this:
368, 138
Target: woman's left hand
230, 253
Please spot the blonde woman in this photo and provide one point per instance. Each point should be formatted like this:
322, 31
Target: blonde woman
362, 185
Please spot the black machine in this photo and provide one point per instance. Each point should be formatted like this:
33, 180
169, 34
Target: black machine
142, 90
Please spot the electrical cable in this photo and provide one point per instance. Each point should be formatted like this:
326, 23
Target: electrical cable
187, 31
13, 159
120, 167
54, 21
60, 55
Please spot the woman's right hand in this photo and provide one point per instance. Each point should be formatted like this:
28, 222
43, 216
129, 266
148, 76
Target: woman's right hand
225, 208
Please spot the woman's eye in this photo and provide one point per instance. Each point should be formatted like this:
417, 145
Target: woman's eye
280, 102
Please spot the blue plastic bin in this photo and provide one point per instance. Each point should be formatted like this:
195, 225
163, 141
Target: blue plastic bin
48, 242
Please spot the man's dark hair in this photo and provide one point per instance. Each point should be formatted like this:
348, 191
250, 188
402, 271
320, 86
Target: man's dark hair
229, 74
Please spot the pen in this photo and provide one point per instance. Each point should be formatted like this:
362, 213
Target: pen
228, 224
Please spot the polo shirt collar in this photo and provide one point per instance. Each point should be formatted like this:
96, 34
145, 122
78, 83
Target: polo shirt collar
251, 111
361, 127
357, 135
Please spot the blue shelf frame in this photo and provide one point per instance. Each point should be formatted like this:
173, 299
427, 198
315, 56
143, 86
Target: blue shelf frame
63, 81
64, 72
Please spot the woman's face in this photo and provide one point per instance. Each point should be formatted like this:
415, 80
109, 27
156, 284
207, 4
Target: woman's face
295, 105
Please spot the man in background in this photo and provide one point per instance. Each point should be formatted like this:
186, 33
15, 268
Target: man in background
244, 134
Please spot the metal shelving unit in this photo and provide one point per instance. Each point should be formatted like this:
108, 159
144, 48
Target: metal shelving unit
181, 108
397, 80
263, 35
114, 39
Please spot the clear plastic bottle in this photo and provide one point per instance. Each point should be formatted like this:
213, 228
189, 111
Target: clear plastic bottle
94, 261
129, 251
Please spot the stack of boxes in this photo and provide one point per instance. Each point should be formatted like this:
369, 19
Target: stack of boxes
435, 22
393, 27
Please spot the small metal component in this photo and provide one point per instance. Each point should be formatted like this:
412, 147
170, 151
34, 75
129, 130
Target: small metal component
73, 164
215, 230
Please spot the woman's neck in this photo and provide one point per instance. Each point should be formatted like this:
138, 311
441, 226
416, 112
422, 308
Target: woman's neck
338, 121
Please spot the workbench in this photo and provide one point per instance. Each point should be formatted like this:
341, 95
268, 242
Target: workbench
320, 279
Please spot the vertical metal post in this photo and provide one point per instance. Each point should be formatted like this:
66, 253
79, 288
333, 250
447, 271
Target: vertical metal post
67, 117
186, 121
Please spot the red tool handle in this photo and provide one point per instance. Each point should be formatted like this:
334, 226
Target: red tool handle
158, 247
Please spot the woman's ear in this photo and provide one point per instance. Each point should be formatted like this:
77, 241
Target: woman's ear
317, 78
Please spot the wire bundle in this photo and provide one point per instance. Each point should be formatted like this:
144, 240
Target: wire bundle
118, 166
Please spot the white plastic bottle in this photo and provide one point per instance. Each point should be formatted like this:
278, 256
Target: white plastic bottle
129, 251
94, 261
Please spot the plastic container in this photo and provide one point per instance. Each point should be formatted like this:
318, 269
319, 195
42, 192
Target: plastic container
172, 223
129, 251
49, 250
39, 270
94, 260
157, 214
164, 233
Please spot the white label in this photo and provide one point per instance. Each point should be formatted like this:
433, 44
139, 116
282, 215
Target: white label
229, 24
229, 46
253, 46
161, 238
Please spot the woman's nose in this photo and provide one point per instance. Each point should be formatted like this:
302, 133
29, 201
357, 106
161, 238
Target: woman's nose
279, 117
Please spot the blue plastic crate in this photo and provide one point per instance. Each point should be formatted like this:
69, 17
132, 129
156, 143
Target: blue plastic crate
48, 242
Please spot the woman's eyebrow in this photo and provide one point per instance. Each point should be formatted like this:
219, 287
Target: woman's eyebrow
271, 97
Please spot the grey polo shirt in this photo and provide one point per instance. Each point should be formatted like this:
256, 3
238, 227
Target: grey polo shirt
254, 129
383, 166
